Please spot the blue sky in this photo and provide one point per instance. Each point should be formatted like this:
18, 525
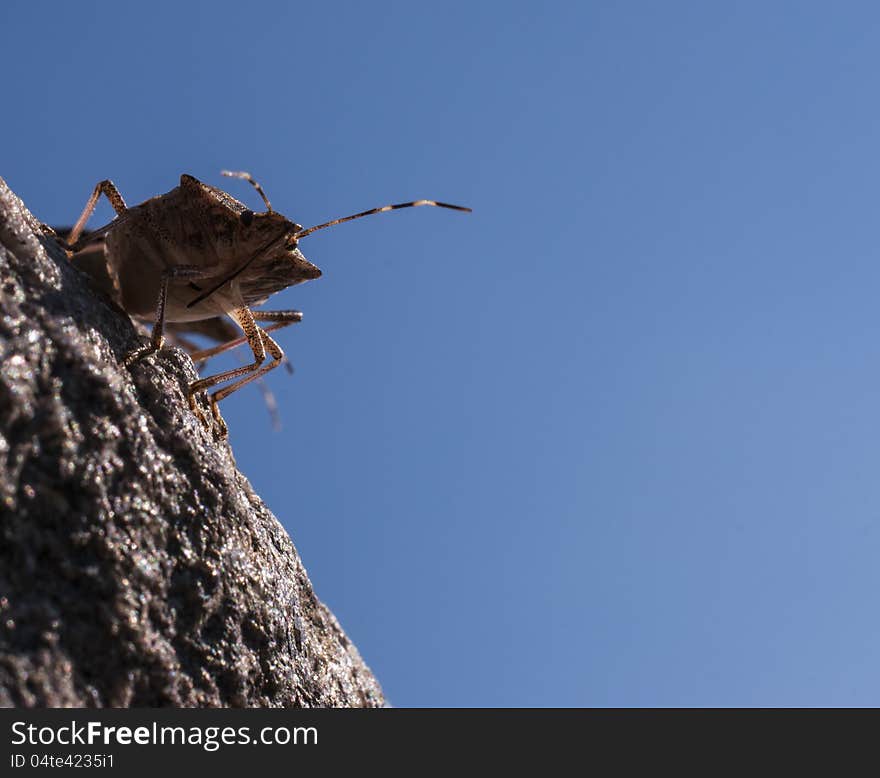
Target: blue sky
613, 438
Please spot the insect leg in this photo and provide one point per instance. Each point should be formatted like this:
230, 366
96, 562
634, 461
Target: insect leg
283, 318
111, 193
280, 319
269, 398
277, 358
157, 339
219, 330
252, 334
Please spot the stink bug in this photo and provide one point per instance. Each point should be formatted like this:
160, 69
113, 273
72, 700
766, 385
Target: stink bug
195, 254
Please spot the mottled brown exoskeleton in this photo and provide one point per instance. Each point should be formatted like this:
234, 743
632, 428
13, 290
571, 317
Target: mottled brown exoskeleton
220, 331
202, 254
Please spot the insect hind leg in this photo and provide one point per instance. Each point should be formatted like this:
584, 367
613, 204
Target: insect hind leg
109, 190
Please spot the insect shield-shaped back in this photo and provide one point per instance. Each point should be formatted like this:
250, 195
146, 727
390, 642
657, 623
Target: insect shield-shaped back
256, 249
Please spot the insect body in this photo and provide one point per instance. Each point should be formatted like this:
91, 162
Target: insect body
219, 330
196, 253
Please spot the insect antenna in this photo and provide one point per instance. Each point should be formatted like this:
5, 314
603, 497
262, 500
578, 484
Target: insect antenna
413, 204
250, 179
302, 233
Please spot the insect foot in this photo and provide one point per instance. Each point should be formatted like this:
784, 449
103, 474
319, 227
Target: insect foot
136, 355
215, 424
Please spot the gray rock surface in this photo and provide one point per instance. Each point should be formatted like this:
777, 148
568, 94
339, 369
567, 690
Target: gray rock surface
137, 566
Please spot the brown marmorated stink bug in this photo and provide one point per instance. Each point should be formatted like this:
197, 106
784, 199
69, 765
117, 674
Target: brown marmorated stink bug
196, 254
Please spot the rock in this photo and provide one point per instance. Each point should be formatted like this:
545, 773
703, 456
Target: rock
137, 566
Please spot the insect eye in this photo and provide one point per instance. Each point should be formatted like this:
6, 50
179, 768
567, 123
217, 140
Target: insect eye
246, 218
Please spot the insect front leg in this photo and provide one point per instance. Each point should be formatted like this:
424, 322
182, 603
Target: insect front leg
277, 358
255, 339
280, 319
110, 191
157, 339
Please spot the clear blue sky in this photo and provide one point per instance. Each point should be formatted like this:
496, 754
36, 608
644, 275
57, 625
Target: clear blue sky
612, 439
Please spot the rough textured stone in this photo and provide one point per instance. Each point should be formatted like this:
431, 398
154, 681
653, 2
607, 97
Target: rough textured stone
137, 566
